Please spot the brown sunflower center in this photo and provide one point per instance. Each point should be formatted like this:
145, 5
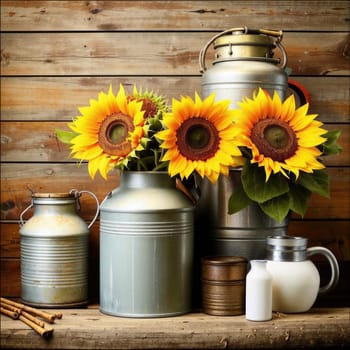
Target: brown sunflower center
113, 133
197, 139
274, 138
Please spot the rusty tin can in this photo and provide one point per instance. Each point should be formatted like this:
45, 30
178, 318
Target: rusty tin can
223, 285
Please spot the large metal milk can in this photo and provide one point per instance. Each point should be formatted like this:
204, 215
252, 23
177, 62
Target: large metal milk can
54, 251
146, 247
244, 61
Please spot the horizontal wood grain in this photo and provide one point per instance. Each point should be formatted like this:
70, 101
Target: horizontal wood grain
153, 53
58, 98
332, 234
10, 275
36, 142
49, 177
173, 15
91, 329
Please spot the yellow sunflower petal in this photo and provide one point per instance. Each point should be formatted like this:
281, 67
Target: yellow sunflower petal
89, 153
288, 109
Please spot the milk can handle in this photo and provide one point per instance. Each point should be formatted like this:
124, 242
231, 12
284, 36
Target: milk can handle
23, 212
245, 30
79, 193
334, 266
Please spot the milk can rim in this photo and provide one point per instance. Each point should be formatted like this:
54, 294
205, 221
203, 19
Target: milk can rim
53, 195
244, 39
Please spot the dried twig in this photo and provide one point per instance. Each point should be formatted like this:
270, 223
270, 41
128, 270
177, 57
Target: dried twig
12, 314
26, 315
44, 315
44, 332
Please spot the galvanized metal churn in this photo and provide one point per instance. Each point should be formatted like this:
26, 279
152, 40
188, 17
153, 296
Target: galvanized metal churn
243, 62
146, 247
54, 251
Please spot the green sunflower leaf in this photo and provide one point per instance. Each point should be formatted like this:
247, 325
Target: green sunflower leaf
331, 146
277, 208
257, 189
299, 197
238, 201
317, 182
65, 136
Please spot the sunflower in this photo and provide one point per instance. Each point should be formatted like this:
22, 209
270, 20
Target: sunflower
281, 138
108, 132
153, 104
199, 136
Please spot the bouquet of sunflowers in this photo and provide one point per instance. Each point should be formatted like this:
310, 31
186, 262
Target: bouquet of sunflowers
277, 146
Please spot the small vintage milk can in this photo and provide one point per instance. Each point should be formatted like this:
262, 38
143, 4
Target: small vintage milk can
295, 279
244, 61
54, 251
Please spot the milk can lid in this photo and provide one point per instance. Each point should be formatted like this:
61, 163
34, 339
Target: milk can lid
53, 195
244, 39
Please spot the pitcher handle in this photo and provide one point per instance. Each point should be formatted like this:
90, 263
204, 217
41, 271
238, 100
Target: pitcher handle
23, 212
79, 193
334, 266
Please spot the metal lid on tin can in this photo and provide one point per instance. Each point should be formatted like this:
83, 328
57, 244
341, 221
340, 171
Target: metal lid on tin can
224, 268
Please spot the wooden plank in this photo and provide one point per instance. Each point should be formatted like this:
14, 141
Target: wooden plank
173, 15
15, 196
63, 95
90, 329
36, 142
33, 141
9, 240
47, 177
58, 98
331, 234
152, 53
10, 277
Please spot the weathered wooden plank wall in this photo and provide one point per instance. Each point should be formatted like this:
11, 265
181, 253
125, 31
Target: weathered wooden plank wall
56, 55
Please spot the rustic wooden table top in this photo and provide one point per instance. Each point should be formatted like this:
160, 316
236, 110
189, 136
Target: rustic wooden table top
90, 329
